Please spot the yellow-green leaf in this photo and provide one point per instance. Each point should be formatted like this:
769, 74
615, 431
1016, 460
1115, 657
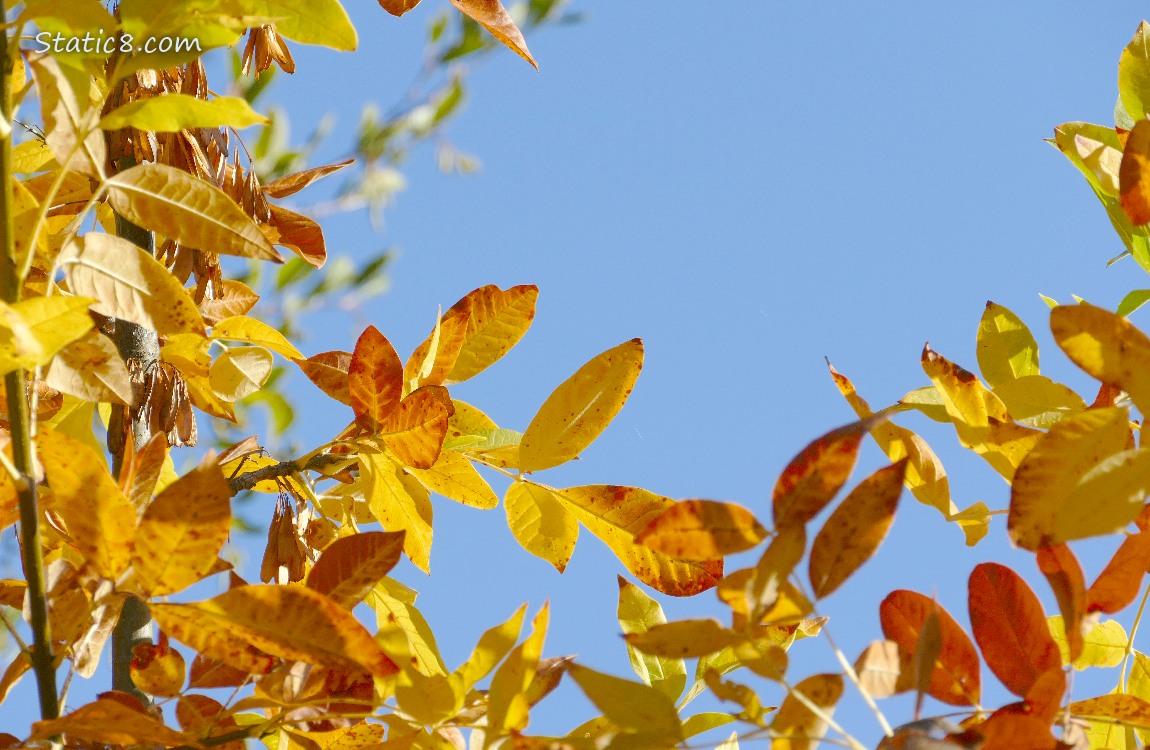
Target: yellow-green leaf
856, 529
174, 112
684, 639
1104, 646
97, 516
320, 22
507, 699
1038, 401
240, 371
455, 478
1006, 348
33, 330
638, 613
702, 530
187, 209
253, 331
540, 523
397, 616
129, 283
1134, 74
581, 408
616, 514
249, 625
182, 531
493, 645
497, 319
630, 705
400, 503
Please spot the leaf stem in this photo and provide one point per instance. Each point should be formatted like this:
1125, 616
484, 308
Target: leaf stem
1130, 640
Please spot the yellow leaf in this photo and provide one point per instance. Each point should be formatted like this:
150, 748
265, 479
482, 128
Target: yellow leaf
321, 22
1103, 161
497, 319
581, 408
925, 475
1072, 450
32, 156
1038, 401
507, 702
702, 530
491, 15
189, 353
174, 112
630, 705
1006, 348
1107, 347
108, 721
493, 645
99, 519
350, 567
1139, 682
856, 529
250, 625
616, 514
395, 613
1134, 174
684, 639
240, 371
879, 670
1134, 74
974, 522
400, 503
91, 368
455, 478
540, 523
130, 284
157, 669
187, 209
1104, 646
252, 331
796, 726
182, 531
979, 417
68, 120
231, 298
637, 613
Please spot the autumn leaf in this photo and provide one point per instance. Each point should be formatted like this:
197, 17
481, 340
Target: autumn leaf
1010, 627
630, 705
1121, 580
507, 705
879, 670
130, 284
181, 532
256, 332
1064, 574
455, 478
298, 233
248, 627
434, 359
329, 372
637, 614
801, 727
491, 15
157, 669
174, 112
540, 523
289, 184
856, 529
702, 530
683, 639
955, 679
616, 514
493, 646
1107, 346
415, 429
187, 209
65, 120
91, 368
1134, 174
374, 379
496, 321
400, 503
110, 722
1134, 74
351, 566
1006, 348
398, 7
815, 475
581, 408
239, 372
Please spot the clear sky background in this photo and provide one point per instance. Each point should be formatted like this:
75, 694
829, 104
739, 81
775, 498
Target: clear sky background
749, 187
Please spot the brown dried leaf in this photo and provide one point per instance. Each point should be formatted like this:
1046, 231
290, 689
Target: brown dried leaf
293, 183
491, 15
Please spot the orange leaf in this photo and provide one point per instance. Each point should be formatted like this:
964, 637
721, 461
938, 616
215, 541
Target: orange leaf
201, 714
414, 431
1120, 582
328, 370
298, 233
498, 319
491, 15
374, 379
702, 530
110, 722
1045, 696
1010, 627
1134, 174
816, 474
855, 529
434, 359
955, 680
1007, 729
232, 298
1062, 570
249, 626
292, 183
349, 567
398, 7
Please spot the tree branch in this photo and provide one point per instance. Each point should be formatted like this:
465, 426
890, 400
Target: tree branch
317, 462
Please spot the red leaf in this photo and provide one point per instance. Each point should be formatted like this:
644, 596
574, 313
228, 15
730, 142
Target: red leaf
956, 671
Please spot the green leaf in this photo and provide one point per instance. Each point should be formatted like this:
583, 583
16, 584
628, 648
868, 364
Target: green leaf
174, 112
1133, 301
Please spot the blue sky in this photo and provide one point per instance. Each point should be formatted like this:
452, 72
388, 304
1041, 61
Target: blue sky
749, 187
